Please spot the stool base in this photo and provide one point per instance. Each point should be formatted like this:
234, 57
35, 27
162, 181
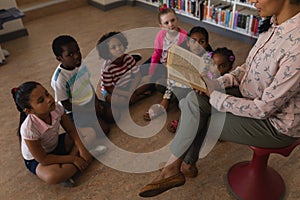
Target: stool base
247, 184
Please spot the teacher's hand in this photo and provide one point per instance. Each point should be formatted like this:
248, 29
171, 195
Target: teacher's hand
212, 84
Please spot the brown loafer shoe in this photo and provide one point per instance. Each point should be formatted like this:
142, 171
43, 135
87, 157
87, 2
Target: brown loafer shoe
158, 187
191, 172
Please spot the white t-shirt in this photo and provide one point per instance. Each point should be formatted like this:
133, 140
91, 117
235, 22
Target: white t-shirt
72, 84
166, 46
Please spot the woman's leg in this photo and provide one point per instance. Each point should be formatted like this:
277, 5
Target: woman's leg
192, 129
179, 93
195, 112
192, 155
193, 108
255, 132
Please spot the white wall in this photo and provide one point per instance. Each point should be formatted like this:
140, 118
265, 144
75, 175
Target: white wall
13, 25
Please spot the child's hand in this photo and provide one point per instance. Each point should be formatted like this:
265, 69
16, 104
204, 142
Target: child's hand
80, 163
83, 153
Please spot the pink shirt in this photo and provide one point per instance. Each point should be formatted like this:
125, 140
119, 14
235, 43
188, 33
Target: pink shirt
269, 80
158, 47
33, 128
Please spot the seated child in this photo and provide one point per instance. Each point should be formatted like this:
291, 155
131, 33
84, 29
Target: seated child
169, 34
198, 35
223, 62
52, 156
197, 43
80, 95
120, 75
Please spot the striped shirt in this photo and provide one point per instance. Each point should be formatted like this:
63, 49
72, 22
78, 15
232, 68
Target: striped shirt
119, 74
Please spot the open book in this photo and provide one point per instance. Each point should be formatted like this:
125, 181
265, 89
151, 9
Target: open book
186, 67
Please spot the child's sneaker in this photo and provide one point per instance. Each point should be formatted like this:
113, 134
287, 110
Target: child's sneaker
98, 150
5, 53
2, 62
68, 183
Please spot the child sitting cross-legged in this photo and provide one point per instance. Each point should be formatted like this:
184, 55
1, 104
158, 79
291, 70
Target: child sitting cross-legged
54, 157
120, 76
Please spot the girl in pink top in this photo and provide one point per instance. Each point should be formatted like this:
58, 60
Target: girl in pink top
52, 156
170, 34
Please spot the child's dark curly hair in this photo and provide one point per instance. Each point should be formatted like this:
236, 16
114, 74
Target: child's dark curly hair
226, 52
61, 41
102, 44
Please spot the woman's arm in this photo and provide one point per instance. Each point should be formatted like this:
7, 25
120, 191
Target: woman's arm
232, 78
284, 85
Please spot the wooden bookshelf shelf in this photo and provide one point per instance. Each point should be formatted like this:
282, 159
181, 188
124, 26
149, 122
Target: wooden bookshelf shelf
234, 18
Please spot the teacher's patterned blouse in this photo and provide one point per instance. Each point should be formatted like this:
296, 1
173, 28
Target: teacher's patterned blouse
269, 80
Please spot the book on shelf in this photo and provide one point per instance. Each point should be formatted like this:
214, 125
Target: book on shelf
201, 10
218, 13
246, 21
242, 19
186, 67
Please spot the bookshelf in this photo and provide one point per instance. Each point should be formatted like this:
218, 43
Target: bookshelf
233, 18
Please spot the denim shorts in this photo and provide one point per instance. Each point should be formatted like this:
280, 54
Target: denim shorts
59, 150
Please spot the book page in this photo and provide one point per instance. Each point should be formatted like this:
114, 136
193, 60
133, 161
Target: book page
186, 67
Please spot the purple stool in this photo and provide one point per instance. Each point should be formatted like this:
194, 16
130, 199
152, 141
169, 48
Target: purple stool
255, 180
